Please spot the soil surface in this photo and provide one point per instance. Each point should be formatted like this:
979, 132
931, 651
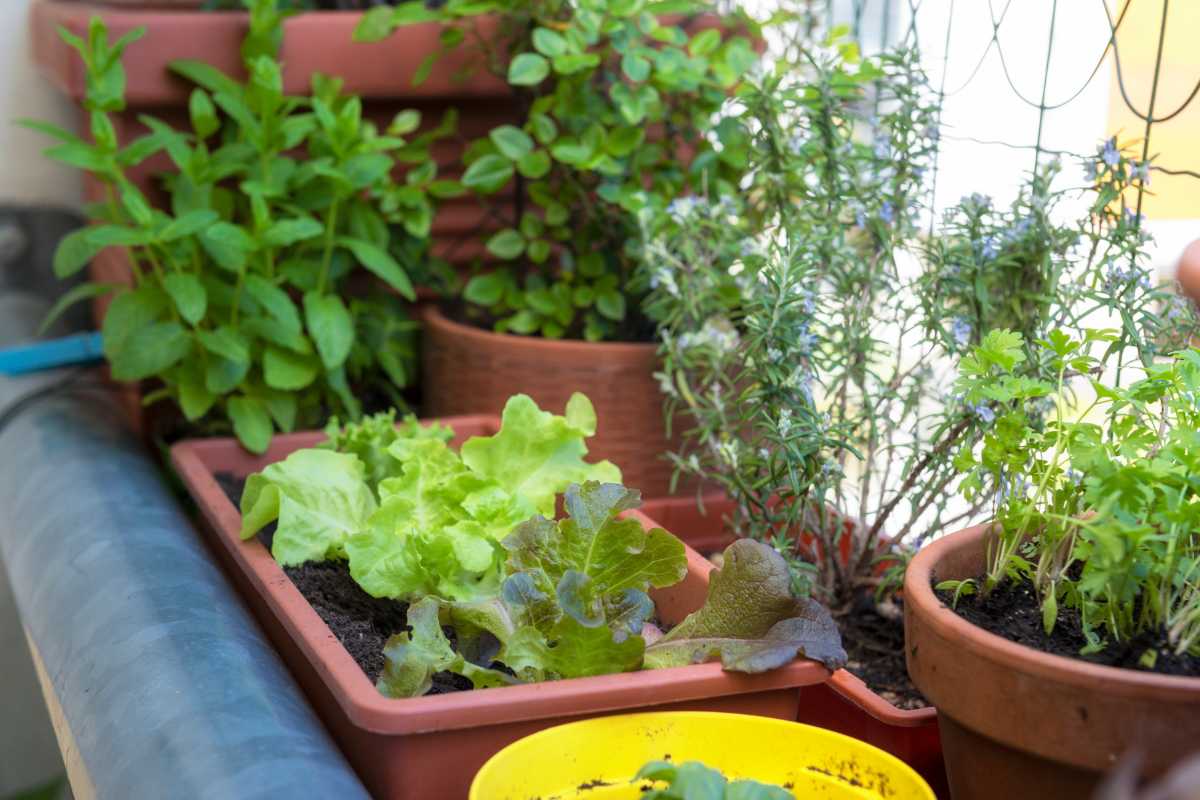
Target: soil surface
875, 653
362, 623
1012, 611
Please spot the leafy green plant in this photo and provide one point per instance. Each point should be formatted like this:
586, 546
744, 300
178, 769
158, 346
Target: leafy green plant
617, 109
811, 324
412, 516
574, 603
1097, 507
239, 306
692, 780
468, 540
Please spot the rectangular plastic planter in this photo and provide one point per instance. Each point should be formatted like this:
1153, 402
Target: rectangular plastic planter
845, 704
430, 747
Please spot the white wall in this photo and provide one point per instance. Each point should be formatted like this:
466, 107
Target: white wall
25, 176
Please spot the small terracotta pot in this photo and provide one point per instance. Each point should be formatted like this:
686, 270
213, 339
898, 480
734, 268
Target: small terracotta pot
430, 747
845, 704
1017, 722
469, 370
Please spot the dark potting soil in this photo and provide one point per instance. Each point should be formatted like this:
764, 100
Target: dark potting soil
362, 623
875, 653
1012, 611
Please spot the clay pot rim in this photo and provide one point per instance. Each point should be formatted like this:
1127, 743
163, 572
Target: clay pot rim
370, 710
943, 621
632, 351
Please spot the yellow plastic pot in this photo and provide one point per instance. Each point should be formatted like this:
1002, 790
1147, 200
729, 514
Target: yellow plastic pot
596, 759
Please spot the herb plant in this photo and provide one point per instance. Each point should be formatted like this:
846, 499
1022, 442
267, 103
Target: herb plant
469, 540
811, 325
616, 116
1098, 507
692, 780
239, 307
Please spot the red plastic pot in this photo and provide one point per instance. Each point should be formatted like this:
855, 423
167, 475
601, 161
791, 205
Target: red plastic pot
430, 747
845, 704
1017, 722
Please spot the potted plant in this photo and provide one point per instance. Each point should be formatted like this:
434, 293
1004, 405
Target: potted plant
424, 538
810, 327
1077, 605
240, 313
317, 41
615, 107
693, 756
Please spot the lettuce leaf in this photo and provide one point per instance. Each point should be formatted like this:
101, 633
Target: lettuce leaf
536, 454
320, 499
413, 658
751, 621
416, 518
573, 604
371, 440
441, 519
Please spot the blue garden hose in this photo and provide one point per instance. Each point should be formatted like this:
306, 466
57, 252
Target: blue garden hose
159, 682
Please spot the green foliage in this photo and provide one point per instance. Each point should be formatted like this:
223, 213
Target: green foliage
468, 539
574, 603
412, 516
238, 306
1097, 506
692, 780
810, 323
617, 107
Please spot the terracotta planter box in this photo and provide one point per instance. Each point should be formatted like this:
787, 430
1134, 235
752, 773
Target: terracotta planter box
469, 370
1017, 722
430, 747
845, 704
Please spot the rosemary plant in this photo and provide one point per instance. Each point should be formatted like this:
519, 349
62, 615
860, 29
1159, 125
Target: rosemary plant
811, 327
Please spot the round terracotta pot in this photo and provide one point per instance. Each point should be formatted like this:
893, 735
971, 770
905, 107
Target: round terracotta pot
469, 370
1017, 722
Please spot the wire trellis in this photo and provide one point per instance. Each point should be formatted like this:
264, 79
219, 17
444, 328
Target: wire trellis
882, 18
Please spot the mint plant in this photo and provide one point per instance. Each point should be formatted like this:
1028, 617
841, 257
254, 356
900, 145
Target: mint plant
239, 310
616, 110
1095, 507
811, 324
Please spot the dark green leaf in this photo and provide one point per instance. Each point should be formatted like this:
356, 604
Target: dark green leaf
330, 326
251, 423
511, 141
381, 263
288, 371
506, 244
188, 295
528, 69
488, 173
